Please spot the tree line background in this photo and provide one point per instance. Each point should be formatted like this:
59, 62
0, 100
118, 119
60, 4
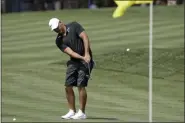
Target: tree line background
8, 6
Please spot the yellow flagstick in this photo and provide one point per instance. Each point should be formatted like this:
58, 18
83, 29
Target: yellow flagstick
143, 2
124, 5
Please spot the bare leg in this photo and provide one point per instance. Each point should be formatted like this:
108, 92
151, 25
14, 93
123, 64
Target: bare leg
82, 98
70, 98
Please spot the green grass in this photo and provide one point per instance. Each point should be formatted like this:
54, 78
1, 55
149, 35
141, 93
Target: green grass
33, 69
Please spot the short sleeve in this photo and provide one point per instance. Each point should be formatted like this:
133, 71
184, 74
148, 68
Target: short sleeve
79, 28
59, 43
63, 47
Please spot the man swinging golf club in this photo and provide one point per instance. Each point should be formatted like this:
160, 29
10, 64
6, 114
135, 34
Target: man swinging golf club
73, 40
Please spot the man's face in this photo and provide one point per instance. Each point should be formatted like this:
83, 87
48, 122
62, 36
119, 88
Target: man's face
59, 29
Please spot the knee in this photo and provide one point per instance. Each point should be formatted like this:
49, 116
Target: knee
81, 89
69, 89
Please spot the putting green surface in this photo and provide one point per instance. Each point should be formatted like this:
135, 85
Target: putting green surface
33, 69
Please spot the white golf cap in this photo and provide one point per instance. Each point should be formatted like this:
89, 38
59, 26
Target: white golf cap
53, 23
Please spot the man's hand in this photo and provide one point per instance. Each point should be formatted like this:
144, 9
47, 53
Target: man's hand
87, 58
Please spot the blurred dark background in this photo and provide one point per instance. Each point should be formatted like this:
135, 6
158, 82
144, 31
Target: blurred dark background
8, 6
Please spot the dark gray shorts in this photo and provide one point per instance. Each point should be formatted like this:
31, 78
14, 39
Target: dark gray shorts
77, 73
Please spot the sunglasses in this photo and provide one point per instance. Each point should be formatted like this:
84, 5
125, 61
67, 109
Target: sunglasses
57, 30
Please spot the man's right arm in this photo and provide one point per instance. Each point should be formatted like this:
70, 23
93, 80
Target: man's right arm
73, 54
64, 48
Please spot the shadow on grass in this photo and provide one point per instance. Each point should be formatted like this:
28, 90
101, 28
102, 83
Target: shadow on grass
102, 118
58, 63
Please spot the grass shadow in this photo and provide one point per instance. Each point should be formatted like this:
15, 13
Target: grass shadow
102, 118
58, 63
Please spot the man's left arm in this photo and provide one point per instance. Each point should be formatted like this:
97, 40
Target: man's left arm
83, 35
85, 39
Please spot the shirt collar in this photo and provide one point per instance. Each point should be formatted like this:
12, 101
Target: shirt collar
67, 29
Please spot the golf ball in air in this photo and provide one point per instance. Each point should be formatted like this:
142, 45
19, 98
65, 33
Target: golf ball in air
14, 119
128, 49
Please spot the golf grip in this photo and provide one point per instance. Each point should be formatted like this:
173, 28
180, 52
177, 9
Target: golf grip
89, 70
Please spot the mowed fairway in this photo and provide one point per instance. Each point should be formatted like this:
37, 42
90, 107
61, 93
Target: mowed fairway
33, 69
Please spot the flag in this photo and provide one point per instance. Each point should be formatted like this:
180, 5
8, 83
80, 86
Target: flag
122, 6
143, 2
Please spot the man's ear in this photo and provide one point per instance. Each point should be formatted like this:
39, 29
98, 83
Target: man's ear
60, 25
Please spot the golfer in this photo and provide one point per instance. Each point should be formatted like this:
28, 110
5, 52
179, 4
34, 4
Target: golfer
73, 40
